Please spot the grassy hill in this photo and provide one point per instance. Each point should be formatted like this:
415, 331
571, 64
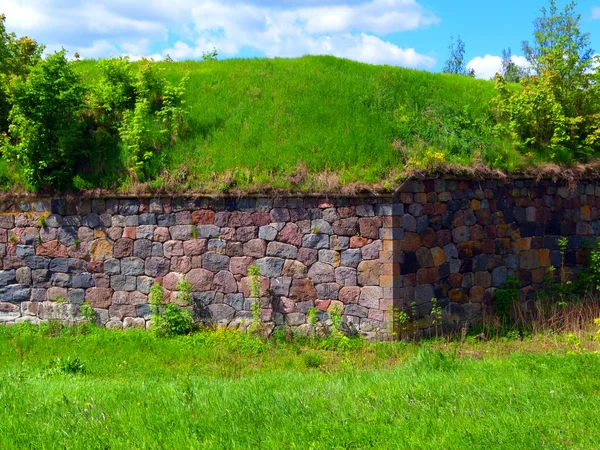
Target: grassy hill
312, 123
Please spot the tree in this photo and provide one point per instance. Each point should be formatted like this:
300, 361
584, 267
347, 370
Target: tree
511, 71
559, 44
45, 130
558, 109
17, 56
456, 59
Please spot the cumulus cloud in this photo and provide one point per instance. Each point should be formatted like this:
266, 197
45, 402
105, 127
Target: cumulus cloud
350, 28
487, 66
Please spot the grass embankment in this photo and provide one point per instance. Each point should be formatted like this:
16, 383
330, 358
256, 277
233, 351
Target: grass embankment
228, 390
312, 124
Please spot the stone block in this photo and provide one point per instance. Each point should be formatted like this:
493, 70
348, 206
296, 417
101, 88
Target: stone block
280, 286
156, 266
142, 248
328, 291
321, 273
132, 266
330, 257
316, 241
215, 262
270, 266
200, 279
123, 283
282, 250
99, 297
225, 282
368, 273
302, 289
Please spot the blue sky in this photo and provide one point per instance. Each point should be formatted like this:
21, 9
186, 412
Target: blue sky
409, 33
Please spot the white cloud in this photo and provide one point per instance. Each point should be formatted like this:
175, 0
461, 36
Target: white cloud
349, 28
487, 66
295, 32
595, 12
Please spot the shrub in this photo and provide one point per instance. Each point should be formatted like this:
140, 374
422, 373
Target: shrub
557, 112
168, 319
45, 131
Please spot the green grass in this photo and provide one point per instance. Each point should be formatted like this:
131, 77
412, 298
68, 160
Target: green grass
227, 390
316, 123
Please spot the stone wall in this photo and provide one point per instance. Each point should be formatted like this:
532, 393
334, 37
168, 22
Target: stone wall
56, 254
449, 239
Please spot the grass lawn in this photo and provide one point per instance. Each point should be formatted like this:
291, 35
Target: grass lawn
316, 123
228, 390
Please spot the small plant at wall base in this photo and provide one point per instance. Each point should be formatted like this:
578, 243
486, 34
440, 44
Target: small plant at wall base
256, 326
436, 315
168, 319
335, 314
505, 297
87, 312
311, 318
184, 289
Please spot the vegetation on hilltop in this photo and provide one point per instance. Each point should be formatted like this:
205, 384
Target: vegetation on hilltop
319, 124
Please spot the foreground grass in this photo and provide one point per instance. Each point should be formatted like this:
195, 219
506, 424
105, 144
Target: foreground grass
226, 390
316, 123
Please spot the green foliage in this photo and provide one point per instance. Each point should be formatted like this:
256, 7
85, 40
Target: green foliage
86, 311
169, 319
254, 275
313, 360
436, 314
136, 104
335, 314
184, 290
17, 56
312, 316
505, 297
210, 56
156, 297
455, 63
155, 119
511, 72
595, 268
268, 136
256, 326
559, 45
45, 132
68, 365
556, 115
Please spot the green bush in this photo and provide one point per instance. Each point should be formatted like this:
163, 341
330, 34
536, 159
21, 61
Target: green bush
556, 116
169, 319
45, 132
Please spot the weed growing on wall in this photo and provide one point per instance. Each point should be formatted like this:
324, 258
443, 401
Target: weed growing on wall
254, 275
168, 319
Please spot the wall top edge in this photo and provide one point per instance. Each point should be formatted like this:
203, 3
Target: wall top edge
375, 192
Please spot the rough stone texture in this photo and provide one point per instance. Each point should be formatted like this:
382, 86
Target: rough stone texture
455, 240
368, 273
321, 273
270, 267
282, 250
